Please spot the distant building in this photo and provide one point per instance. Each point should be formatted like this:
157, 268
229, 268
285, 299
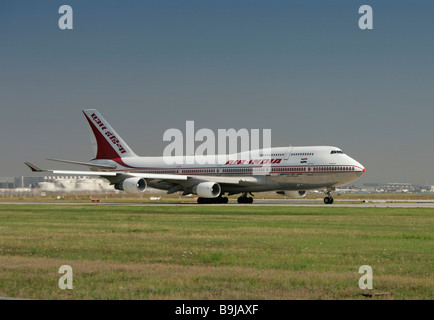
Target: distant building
27, 182
399, 187
75, 184
7, 183
56, 183
371, 184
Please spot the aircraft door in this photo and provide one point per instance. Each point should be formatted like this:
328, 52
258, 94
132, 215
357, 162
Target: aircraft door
219, 169
287, 153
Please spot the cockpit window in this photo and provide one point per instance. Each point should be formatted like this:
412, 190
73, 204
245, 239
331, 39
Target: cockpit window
336, 151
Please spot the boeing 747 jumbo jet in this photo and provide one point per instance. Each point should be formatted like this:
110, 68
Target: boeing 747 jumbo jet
290, 170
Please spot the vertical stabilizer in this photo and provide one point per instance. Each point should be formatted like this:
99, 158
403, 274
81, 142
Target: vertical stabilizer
109, 145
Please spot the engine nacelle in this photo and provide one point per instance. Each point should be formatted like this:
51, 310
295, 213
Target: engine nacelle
293, 194
208, 189
132, 185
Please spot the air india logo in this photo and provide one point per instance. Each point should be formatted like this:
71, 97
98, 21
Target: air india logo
115, 141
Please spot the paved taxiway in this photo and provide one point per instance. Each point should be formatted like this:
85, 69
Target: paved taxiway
259, 202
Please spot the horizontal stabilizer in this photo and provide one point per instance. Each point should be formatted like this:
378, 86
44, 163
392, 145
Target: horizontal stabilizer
87, 164
33, 167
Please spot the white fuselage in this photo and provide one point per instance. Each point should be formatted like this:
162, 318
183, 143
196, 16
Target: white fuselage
284, 168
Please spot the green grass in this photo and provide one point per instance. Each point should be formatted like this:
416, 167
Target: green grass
126, 252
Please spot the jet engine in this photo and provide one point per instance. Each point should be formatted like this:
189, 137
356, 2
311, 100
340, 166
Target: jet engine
293, 194
132, 185
207, 189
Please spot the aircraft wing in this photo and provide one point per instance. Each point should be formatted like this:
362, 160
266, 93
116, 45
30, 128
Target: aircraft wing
107, 174
170, 182
87, 164
162, 176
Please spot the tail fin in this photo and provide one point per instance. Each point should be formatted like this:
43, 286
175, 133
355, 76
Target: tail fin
109, 144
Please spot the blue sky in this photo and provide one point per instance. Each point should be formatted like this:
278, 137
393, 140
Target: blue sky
300, 68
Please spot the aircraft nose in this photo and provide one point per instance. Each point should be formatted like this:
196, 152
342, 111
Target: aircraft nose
359, 167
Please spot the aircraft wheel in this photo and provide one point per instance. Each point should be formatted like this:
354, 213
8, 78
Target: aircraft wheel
212, 200
245, 199
203, 200
328, 200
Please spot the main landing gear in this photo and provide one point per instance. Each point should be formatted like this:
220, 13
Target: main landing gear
245, 199
329, 198
219, 199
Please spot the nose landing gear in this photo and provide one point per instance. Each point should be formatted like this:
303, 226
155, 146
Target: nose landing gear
329, 199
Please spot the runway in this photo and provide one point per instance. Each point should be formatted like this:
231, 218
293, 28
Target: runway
258, 203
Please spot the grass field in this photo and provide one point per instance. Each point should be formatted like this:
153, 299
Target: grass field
85, 197
188, 252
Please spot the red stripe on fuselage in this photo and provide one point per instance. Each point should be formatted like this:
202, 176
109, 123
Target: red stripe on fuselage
323, 170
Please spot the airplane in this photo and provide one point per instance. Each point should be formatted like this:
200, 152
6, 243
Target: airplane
287, 170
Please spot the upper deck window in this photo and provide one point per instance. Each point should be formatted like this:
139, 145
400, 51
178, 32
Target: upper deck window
336, 151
